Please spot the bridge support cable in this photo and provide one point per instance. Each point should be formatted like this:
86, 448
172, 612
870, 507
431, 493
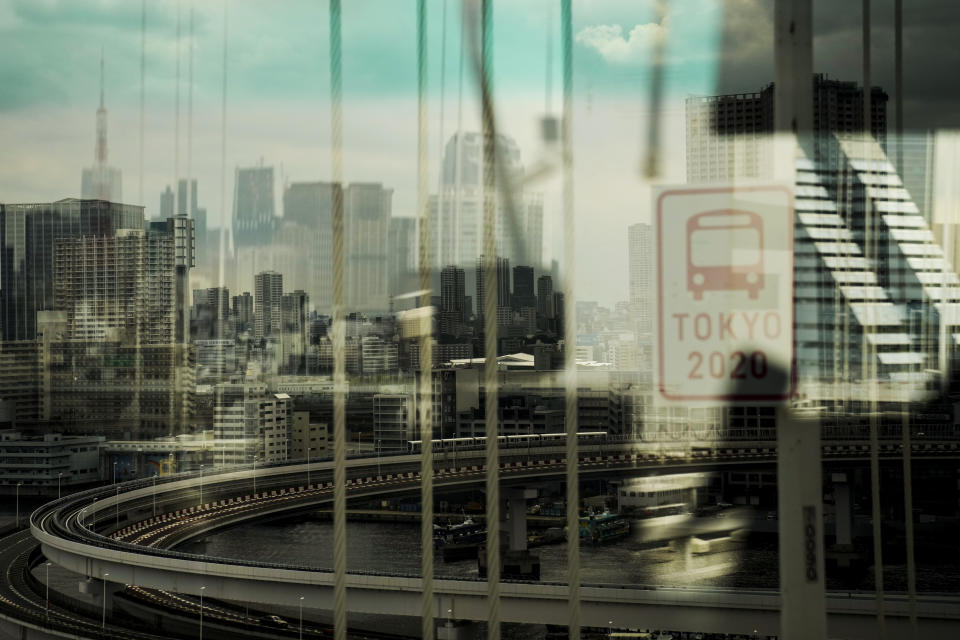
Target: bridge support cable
570, 330
339, 333
869, 349
489, 311
143, 75
425, 401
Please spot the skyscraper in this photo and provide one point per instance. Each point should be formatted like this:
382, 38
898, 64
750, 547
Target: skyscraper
545, 308
268, 291
367, 208
101, 181
523, 293
253, 210
309, 204
640, 249
730, 136
453, 301
403, 264
456, 213
28, 233
503, 288
167, 203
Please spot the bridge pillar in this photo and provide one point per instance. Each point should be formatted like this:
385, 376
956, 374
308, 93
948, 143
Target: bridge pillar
517, 532
844, 509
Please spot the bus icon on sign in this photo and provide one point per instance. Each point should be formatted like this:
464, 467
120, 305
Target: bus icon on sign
725, 252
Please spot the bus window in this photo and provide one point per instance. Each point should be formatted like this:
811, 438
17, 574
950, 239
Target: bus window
725, 252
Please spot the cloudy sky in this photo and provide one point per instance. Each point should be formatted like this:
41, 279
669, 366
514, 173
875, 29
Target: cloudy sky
278, 98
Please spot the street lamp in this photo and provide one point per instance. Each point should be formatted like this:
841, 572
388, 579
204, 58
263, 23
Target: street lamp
155, 494
103, 620
377, 447
202, 589
254, 475
118, 506
300, 616
59, 478
114, 472
48, 588
201, 484
18, 504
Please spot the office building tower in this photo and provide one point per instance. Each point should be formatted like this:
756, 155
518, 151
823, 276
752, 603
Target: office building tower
167, 203
640, 249
268, 290
523, 293
309, 204
453, 293
210, 316
118, 365
186, 198
545, 308
253, 210
28, 233
242, 312
294, 335
404, 263
366, 229
503, 288
302, 247
456, 213
730, 136
101, 181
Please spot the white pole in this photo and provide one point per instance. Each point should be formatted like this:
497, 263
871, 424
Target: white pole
154, 494
300, 616
378, 458
17, 522
103, 619
48, 589
59, 478
201, 612
254, 474
309, 449
201, 484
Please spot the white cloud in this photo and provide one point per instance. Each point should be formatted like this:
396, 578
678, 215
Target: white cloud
608, 41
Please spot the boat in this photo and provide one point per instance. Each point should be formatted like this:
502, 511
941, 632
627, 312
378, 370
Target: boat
459, 541
603, 527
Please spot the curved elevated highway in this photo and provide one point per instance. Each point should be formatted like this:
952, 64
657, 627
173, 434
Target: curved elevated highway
128, 531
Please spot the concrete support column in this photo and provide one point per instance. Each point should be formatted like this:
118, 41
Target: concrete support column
517, 497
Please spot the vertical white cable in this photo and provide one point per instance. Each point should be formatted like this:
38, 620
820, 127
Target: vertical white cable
570, 332
425, 403
143, 75
339, 334
221, 249
441, 223
176, 125
190, 203
869, 352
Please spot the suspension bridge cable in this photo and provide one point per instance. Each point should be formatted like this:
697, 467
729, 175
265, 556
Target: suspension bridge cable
339, 332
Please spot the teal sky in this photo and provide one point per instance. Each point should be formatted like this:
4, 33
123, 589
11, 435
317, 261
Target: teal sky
278, 102
278, 50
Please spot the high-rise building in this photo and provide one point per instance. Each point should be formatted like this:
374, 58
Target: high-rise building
545, 308
28, 235
253, 210
503, 288
295, 331
118, 365
242, 311
309, 204
403, 264
453, 291
167, 203
268, 291
730, 136
456, 213
366, 228
640, 249
523, 293
210, 316
101, 181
